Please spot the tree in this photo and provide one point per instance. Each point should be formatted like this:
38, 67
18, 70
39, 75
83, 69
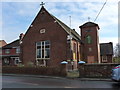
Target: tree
117, 53
117, 50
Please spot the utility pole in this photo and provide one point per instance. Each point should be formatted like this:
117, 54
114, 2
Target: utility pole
71, 44
70, 38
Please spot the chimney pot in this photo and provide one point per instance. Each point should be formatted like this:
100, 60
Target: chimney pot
21, 36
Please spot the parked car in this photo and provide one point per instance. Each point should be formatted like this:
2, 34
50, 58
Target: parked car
116, 73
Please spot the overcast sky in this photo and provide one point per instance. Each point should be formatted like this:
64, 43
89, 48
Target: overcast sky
17, 16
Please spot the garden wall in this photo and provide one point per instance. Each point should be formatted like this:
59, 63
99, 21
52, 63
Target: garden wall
96, 70
52, 71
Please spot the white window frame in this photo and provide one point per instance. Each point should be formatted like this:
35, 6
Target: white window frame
104, 58
7, 51
16, 59
41, 50
6, 61
38, 62
42, 58
18, 50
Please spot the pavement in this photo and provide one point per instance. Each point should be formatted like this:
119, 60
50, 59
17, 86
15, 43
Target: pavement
56, 77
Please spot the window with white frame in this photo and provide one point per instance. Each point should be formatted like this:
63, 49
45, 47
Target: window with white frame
104, 58
16, 60
90, 49
17, 50
6, 61
7, 51
43, 50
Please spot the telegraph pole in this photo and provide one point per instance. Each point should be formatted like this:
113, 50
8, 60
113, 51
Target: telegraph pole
70, 38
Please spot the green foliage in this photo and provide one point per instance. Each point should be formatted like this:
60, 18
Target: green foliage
73, 74
20, 65
116, 59
117, 51
30, 64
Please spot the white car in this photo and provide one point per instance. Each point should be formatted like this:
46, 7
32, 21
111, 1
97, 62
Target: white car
116, 73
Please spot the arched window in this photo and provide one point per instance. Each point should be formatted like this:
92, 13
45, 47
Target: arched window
88, 39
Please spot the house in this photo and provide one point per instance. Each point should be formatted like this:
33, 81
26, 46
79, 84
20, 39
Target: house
10, 53
2, 43
48, 42
106, 54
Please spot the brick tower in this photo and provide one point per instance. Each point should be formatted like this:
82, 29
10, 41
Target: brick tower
90, 49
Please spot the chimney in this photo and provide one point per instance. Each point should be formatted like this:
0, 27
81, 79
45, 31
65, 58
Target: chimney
21, 36
74, 29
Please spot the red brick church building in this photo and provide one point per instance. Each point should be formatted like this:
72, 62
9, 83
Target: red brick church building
48, 42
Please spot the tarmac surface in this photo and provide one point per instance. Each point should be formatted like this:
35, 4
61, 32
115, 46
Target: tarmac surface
56, 77
38, 81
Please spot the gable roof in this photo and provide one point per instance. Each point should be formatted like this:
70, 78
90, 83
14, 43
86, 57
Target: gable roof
74, 34
2, 43
106, 48
12, 44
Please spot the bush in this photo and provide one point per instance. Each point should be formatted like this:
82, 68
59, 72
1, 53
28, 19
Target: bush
20, 65
30, 64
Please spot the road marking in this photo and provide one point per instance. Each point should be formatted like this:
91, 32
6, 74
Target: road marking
69, 87
31, 83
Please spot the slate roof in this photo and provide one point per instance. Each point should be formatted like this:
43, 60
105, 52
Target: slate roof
106, 48
12, 44
74, 34
89, 24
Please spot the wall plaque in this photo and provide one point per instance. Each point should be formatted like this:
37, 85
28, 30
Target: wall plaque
42, 31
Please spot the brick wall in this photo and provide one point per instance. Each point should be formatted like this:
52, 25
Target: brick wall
96, 70
50, 71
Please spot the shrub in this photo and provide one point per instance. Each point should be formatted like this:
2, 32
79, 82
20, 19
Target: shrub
20, 65
30, 64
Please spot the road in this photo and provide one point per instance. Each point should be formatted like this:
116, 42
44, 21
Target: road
34, 82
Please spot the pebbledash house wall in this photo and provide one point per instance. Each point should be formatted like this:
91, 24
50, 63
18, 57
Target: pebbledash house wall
53, 32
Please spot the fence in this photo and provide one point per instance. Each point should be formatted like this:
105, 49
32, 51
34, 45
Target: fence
96, 70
